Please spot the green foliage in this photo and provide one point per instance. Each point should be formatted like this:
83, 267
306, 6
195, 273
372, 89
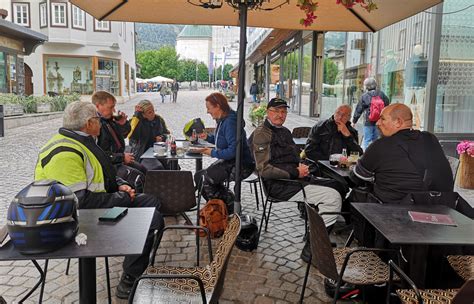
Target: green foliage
227, 69
187, 70
257, 113
330, 71
203, 72
30, 103
162, 62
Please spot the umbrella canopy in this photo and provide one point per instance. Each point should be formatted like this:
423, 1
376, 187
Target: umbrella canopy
286, 15
139, 80
330, 16
160, 79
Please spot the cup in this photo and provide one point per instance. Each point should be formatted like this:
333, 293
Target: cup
180, 151
160, 149
186, 145
334, 160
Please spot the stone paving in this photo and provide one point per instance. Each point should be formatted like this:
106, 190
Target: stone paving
271, 274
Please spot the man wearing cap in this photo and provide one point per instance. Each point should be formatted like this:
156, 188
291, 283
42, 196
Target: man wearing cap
277, 157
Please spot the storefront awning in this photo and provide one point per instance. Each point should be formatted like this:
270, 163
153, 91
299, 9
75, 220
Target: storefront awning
30, 38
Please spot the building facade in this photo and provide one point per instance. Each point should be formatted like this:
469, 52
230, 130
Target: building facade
425, 61
82, 55
195, 42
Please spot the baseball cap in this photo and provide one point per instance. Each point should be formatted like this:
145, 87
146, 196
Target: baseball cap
277, 103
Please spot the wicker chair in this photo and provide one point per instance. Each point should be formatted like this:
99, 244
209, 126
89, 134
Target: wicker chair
463, 265
301, 132
169, 284
175, 190
357, 266
463, 295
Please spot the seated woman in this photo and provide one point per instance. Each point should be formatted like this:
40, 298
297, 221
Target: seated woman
225, 148
147, 128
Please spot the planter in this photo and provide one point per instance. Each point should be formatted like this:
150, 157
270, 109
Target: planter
257, 121
466, 171
13, 109
43, 107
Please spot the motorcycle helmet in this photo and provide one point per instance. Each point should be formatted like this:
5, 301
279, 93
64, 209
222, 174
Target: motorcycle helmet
247, 240
42, 217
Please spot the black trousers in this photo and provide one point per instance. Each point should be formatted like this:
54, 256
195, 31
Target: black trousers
220, 171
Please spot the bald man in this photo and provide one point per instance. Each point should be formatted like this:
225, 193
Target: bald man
404, 160
332, 135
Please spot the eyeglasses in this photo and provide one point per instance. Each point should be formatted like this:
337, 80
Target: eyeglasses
279, 111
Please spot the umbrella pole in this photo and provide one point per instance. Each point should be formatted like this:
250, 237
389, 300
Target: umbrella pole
240, 106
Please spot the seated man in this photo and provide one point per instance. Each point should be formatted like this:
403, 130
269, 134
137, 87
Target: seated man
332, 135
277, 157
404, 160
73, 158
111, 140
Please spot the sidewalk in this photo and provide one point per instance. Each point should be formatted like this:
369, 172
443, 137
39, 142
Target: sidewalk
271, 274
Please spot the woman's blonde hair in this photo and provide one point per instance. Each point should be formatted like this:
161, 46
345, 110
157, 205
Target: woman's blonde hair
145, 104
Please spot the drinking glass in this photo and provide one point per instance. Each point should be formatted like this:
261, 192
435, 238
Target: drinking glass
333, 160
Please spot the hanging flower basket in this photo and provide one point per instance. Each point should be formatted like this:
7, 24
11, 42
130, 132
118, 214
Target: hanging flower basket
465, 177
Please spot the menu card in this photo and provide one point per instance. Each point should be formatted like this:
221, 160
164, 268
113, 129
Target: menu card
431, 218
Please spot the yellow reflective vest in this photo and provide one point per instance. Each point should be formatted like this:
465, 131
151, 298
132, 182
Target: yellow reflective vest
70, 162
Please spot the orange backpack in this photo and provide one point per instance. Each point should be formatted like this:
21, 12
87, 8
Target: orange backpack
213, 216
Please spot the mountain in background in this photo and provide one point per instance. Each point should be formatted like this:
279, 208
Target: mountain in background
334, 40
155, 36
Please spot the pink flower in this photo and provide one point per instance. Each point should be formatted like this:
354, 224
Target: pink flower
465, 146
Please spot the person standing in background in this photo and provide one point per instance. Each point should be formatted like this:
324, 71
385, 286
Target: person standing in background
174, 90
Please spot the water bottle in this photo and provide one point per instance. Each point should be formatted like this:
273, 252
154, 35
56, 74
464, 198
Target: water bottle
194, 137
344, 153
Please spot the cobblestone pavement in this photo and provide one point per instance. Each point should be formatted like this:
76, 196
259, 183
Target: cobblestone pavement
271, 274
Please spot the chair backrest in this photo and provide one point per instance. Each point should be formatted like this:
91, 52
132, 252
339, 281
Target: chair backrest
465, 294
174, 189
454, 163
218, 266
321, 249
300, 132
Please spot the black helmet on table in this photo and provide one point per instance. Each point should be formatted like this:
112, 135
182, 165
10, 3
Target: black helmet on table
42, 217
247, 240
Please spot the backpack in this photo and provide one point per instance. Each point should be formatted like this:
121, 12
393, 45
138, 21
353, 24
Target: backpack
194, 124
376, 107
213, 216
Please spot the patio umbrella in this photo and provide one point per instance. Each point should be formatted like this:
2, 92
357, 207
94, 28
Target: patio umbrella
160, 79
280, 14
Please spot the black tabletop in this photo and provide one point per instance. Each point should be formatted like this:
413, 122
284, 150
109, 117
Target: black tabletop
150, 154
395, 224
343, 172
123, 238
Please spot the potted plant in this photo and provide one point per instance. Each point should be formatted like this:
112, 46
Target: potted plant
257, 114
465, 150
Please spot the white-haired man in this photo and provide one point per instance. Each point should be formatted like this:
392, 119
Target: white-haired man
73, 158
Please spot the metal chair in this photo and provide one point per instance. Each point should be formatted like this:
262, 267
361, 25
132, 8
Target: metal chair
175, 190
463, 265
300, 132
463, 295
254, 180
168, 284
454, 163
273, 199
357, 266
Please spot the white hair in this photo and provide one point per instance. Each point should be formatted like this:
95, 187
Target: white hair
77, 114
345, 106
370, 84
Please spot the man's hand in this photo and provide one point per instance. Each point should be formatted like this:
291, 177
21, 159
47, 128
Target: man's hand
159, 138
129, 190
202, 135
303, 170
123, 118
343, 129
128, 158
138, 108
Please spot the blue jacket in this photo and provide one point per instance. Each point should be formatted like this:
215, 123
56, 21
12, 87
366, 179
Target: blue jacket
225, 140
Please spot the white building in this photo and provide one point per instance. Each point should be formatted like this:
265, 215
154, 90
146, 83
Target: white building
82, 54
195, 42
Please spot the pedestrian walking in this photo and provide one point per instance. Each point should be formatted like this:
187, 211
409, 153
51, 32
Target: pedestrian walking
174, 90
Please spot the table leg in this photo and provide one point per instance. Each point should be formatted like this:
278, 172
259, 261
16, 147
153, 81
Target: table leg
416, 256
198, 164
87, 281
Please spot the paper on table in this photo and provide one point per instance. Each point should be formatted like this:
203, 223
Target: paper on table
431, 218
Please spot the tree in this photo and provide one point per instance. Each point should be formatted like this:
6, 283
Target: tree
187, 70
330, 71
227, 68
203, 72
162, 62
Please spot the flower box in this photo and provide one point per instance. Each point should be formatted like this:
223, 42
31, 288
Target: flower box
12, 109
43, 107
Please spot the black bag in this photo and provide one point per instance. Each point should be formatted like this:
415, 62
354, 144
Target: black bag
247, 240
219, 191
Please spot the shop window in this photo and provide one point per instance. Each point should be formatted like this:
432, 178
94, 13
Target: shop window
21, 13
58, 14
3, 73
43, 10
65, 75
101, 26
107, 76
78, 18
